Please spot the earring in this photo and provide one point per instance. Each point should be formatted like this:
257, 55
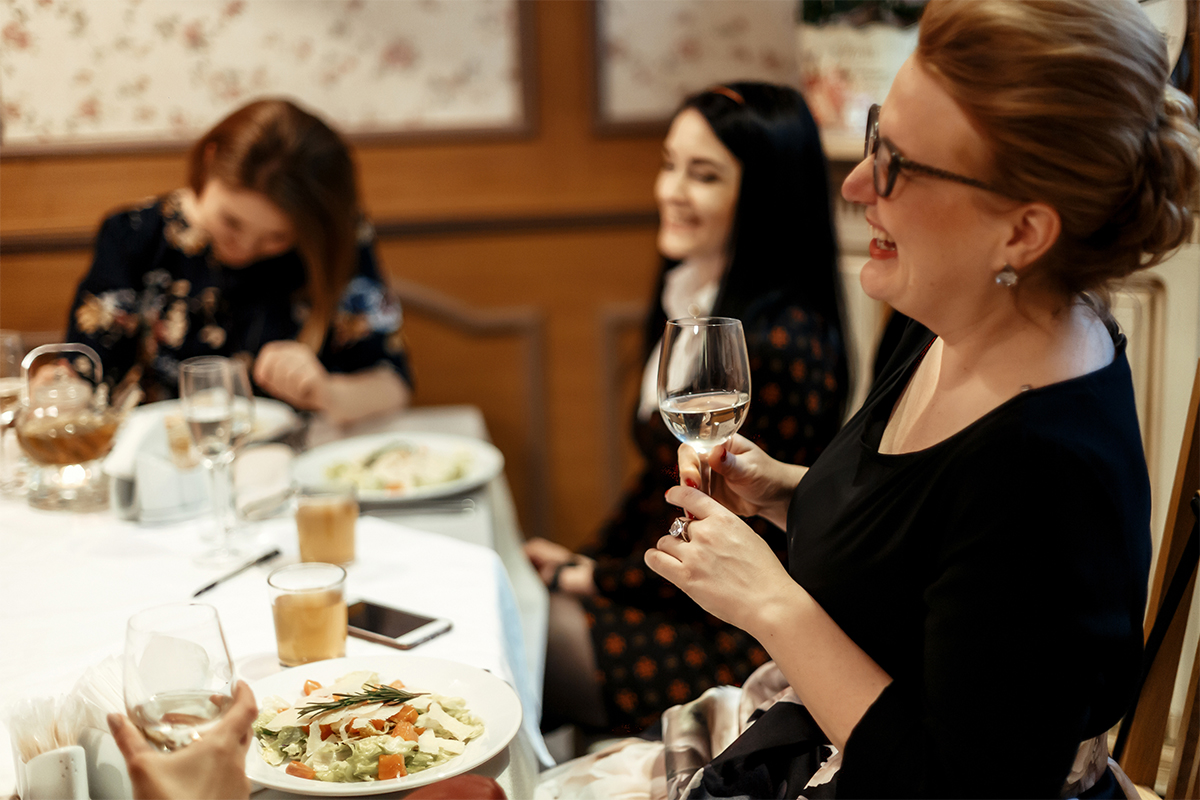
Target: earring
1007, 277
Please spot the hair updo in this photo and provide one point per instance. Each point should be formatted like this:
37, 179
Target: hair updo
1072, 98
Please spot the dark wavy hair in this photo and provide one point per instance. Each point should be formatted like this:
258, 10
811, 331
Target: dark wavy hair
783, 247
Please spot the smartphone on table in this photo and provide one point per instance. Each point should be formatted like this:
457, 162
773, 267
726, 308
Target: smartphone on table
393, 627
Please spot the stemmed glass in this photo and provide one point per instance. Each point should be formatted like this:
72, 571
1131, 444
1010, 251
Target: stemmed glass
178, 675
243, 425
704, 383
12, 350
207, 396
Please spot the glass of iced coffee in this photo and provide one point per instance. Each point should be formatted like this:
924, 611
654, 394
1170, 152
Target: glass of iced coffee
308, 602
325, 520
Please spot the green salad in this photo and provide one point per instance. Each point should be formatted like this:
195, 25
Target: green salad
359, 729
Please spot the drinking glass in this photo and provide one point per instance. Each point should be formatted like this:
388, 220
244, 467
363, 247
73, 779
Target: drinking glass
12, 350
308, 603
704, 383
325, 522
243, 426
206, 395
178, 673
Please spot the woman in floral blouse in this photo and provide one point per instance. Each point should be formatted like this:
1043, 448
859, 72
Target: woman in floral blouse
746, 231
264, 256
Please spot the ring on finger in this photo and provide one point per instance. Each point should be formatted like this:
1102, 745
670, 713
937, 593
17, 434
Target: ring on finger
679, 529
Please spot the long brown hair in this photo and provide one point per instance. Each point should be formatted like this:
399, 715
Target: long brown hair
1072, 97
302, 166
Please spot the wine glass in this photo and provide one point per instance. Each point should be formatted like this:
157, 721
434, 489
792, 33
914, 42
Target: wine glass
178, 675
12, 350
207, 396
704, 383
243, 405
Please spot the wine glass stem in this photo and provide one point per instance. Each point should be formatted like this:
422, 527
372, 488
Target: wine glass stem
216, 476
705, 475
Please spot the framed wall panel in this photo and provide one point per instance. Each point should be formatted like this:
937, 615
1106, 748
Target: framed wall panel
649, 55
96, 75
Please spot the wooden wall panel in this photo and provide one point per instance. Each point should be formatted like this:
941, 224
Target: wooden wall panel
51, 206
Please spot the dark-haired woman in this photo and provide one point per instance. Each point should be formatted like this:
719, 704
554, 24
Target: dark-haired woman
265, 257
745, 232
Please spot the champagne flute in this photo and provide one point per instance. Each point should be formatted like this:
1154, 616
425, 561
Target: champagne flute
178, 675
12, 350
206, 394
704, 383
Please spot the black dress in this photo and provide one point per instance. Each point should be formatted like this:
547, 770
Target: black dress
654, 646
155, 296
999, 578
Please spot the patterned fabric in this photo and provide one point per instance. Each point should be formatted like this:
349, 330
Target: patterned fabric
654, 646
155, 296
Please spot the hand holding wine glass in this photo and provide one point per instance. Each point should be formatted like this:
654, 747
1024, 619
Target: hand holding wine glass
178, 675
703, 384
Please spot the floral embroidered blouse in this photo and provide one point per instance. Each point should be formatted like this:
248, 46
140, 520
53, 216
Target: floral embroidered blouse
155, 295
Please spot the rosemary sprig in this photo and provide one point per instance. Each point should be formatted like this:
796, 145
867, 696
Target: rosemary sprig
387, 695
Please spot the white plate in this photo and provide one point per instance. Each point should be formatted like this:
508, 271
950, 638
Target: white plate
485, 463
272, 418
488, 697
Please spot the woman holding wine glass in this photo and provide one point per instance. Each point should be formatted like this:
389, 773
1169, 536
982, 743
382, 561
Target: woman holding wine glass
961, 612
746, 233
263, 257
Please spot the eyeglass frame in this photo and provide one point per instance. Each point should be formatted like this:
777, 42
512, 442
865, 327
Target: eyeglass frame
901, 162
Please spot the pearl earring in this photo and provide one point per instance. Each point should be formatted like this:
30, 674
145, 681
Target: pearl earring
1007, 277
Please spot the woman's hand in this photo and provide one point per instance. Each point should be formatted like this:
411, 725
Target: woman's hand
726, 567
745, 479
291, 371
214, 766
575, 573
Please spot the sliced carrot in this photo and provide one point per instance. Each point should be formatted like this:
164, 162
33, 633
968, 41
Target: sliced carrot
310, 687
406, 712
379, 724
405, 731
391, 766
397, 684
418, 730
301, 770
326, 731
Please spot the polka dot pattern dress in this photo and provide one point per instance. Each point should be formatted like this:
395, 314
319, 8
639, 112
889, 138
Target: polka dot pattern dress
654, 646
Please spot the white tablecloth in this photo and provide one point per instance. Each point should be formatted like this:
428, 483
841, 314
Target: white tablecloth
69, 582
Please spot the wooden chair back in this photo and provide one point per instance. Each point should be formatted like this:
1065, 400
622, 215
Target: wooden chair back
1142, 749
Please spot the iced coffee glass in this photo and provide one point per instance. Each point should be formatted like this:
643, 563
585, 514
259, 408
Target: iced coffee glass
308, 603
325, 521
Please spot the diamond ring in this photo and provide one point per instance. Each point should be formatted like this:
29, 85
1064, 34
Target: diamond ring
679, 529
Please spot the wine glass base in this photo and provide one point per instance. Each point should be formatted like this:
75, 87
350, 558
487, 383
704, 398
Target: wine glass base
220, 557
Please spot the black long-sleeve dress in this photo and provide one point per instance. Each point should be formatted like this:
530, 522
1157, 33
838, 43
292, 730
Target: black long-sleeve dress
999, 577
654, 646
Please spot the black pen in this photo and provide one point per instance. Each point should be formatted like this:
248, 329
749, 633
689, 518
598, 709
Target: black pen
264, 558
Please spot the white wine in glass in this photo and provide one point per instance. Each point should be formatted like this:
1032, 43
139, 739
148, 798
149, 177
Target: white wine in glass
207, 397
178, 675
704, 383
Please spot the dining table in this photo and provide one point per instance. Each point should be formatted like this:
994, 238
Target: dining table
70, 581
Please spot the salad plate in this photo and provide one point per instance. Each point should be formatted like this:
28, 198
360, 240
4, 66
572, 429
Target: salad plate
488, 698
400, 466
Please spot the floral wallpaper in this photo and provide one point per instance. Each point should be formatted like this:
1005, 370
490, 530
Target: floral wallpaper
91, 72
652, 53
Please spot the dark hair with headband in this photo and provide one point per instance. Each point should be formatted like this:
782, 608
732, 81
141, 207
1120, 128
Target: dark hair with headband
783, 245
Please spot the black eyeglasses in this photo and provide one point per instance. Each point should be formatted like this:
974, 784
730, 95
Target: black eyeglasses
888, 162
